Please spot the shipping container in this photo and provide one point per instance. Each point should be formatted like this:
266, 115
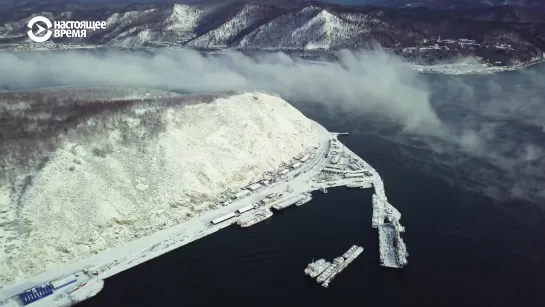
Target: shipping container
296, 164
59, 283
353, 175
332, 170
224, 218
354, 167
254, 187
245, 209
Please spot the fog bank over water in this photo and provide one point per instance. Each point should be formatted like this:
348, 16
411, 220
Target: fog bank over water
490, 130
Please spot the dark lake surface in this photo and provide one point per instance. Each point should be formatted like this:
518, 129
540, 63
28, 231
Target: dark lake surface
469, 243
465, 249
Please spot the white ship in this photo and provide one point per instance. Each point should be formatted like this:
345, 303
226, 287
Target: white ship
327, 271
271, 198
332, 268
315, 268
351, 254
305, 200
324, 190
349, 251
285, 204
256, 218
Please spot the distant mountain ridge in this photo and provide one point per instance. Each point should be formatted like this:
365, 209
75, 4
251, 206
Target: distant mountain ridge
436, 4
500, 35
462, 4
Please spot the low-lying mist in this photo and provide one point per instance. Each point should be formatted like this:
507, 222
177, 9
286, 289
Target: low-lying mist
490, 129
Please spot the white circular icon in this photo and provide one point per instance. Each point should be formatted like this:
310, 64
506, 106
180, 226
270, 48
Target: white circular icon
46, 36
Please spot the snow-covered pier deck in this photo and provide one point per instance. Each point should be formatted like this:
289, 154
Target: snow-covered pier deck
390, 250
386, 218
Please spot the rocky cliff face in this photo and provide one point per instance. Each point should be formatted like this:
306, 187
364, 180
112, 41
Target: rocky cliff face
87, 169
499, 35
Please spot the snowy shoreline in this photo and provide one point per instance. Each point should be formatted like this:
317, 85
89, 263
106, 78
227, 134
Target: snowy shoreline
469, 69
292, 185
129, 173
145, 248
459, 68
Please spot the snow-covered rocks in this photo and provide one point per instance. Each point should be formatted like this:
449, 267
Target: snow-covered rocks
130, 168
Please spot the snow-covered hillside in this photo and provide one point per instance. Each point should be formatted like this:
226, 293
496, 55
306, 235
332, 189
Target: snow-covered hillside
226, 33
310, 28
111, 172
505, 36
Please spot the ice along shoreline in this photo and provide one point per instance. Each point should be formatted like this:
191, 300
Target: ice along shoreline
330, 165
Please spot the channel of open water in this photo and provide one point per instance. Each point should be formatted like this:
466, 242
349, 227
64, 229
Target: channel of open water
465, 250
